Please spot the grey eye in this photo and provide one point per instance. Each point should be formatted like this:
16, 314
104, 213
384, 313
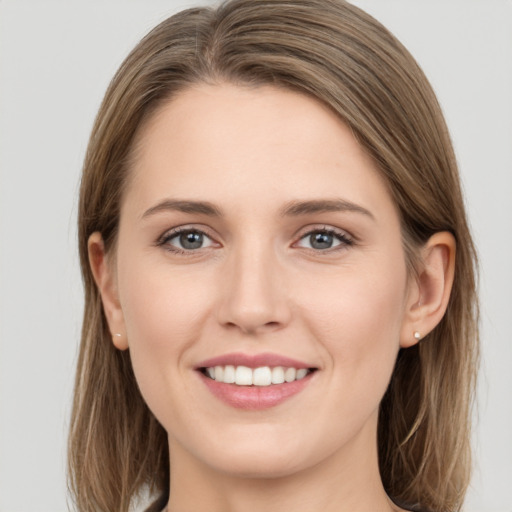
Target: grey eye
189, 240
324, 239
321, 240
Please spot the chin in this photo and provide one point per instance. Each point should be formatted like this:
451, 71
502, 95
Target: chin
267, 458
262, 468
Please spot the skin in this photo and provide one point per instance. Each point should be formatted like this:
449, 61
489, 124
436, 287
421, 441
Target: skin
259, 285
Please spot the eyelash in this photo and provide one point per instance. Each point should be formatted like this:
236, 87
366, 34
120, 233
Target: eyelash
344, 239
163, 241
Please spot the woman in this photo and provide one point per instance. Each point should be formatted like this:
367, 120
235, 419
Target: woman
280, 296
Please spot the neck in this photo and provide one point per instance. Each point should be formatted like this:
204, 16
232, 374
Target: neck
348, 480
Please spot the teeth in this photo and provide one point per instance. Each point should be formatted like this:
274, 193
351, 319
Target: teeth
290, 374
219, 373
277, 375
301, 373
229, 374
262, 376
243, 376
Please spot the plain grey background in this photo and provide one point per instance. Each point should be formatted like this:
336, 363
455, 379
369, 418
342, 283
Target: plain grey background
56, 59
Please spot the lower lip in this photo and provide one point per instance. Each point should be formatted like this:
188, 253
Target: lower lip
255, 397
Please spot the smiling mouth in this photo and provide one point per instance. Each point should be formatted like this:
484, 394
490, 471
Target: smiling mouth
260, 376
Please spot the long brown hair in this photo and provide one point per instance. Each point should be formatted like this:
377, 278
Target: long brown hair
344, 58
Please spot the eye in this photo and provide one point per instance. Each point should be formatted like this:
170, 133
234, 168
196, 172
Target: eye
324, 239
185, 239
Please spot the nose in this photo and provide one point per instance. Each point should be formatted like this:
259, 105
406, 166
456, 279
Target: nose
253, 295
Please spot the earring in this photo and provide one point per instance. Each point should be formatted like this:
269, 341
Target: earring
417, 336
117, 335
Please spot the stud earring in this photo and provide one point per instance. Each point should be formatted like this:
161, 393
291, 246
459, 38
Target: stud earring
417, 336
117, 335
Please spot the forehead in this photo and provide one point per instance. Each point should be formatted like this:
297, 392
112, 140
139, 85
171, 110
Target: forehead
211, 141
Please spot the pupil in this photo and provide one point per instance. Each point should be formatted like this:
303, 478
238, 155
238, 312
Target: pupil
321, 240
191, 240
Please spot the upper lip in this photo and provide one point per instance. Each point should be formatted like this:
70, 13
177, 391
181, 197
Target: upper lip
253, 361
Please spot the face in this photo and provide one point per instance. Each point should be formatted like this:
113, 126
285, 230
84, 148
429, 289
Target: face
258, 243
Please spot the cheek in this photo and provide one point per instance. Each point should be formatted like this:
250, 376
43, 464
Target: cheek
356, 321
357, 316
164, 313
150, 306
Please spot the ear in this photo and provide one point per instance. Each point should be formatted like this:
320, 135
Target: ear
429, 294
103, 270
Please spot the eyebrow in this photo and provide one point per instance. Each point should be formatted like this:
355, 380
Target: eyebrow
291, 209
296, 208
201, 207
